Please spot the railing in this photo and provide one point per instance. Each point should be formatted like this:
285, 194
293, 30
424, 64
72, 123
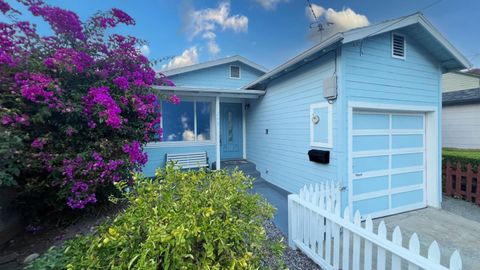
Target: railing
316, 227
462, 182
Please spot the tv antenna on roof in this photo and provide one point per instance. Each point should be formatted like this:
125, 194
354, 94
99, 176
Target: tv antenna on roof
317, 23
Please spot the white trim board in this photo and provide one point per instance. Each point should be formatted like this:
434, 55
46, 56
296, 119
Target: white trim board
210, 92
226, 60
217, 132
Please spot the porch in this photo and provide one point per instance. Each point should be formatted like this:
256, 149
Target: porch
207, 120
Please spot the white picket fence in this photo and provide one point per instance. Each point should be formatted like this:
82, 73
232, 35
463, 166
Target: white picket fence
317, 228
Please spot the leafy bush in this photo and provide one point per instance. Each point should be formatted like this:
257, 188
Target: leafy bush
180, 220
461, 155
75, 107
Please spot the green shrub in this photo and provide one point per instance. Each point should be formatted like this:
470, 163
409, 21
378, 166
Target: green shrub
461, 155
181, 220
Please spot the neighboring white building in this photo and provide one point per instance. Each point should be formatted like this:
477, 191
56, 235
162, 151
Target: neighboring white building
461, 110
455, 81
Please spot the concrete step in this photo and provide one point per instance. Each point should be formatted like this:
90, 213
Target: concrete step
247, 167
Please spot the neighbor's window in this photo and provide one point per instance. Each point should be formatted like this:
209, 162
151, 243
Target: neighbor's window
187, 121
235, 72
398, 46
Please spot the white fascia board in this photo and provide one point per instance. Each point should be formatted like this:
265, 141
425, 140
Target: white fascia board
377, 29
213, 63
211, 92
438, 36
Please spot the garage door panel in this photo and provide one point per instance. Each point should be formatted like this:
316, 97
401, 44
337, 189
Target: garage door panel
407, 179
407, 198
371, 121
407, 141
407, 121
388, 162
368, 206
370, 142
407, 160
367, 164
370, 184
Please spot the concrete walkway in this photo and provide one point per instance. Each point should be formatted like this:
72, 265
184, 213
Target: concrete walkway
451, 232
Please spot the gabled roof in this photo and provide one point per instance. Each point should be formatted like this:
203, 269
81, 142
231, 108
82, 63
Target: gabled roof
226, 60
470, 96
439, 46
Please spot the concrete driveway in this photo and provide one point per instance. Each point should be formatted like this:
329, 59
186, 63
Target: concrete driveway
451, 232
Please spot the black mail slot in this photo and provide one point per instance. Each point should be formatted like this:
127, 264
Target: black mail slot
319, 156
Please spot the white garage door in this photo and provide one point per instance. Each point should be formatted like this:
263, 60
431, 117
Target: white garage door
387, 162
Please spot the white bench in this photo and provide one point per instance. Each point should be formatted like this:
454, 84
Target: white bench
188, 160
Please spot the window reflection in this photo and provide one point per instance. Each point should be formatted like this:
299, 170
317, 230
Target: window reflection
204, 110
179, 121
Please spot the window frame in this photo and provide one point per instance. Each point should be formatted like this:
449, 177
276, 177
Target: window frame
239, 72
194, 142
404, 46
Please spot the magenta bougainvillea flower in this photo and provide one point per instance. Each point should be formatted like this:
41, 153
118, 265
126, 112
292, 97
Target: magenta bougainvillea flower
134, 150
70, 59
174, 99
63, 22
38, 143
4, 7
80, 100
108, 107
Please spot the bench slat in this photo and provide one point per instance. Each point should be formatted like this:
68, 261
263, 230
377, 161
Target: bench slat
189, 160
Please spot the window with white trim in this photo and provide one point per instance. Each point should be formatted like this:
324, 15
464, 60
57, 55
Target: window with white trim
235, 72
187, 121
398, 46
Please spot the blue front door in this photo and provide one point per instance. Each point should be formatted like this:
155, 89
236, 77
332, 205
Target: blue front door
231, 134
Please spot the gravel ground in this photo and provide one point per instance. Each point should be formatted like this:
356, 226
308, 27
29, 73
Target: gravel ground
294, 259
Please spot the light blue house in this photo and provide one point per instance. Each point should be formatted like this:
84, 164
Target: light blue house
369, 99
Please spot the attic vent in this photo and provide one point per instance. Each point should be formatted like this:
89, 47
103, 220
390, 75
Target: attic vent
398, 46
235, 72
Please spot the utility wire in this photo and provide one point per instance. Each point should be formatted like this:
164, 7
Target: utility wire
395, 22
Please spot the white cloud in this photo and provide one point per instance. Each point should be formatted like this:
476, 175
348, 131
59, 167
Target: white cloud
145, 50
187, 58
270, 4
213, 47
205, 22
336, 21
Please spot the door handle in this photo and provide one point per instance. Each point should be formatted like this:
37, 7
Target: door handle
359, 174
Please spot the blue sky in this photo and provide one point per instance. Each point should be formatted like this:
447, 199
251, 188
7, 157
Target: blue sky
268, 31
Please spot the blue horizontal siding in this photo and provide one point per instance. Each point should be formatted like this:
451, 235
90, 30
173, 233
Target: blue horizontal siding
375, 76
372, 75
217, 77
281, 155
156, 155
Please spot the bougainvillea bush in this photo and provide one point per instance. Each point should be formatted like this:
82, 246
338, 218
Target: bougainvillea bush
76, 107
